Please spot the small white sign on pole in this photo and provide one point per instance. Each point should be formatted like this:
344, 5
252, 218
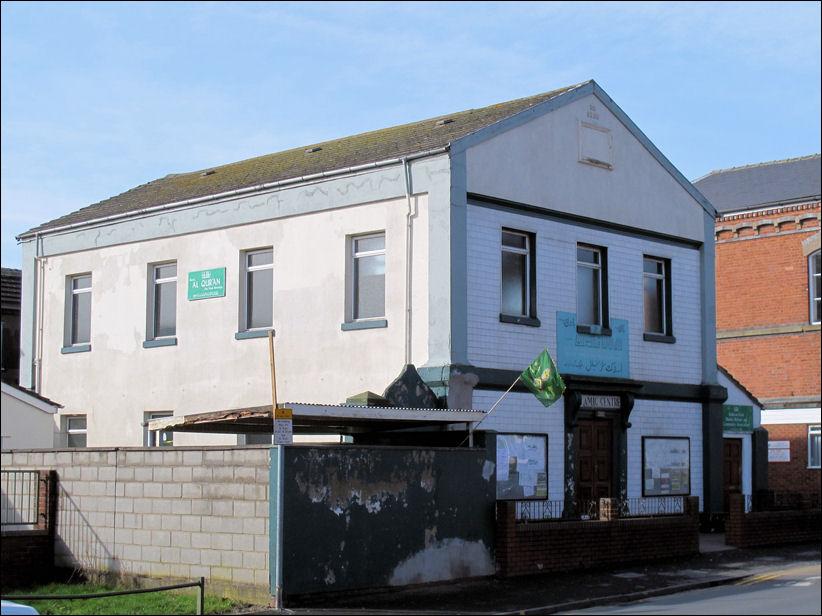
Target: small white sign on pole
283, 429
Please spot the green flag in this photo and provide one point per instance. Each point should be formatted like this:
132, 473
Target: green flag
542, 378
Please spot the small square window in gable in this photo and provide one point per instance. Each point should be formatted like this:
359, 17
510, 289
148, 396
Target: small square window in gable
596, 146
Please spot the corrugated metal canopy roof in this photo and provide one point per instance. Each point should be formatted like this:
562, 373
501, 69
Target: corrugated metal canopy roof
315, 419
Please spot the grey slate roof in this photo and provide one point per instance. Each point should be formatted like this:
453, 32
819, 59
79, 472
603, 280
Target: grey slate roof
386, 144
10, 288
754, 186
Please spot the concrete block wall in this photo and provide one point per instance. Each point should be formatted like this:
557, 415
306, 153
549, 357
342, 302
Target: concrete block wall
180, 512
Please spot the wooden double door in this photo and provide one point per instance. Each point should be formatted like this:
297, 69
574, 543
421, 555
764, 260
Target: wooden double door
595, 460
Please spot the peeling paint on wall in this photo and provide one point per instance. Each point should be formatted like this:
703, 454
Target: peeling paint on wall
444, 560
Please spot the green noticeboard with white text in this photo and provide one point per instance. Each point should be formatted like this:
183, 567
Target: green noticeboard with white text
737, 418
203, 284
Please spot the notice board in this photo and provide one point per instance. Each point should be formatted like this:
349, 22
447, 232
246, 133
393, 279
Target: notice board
522, 466
666, 466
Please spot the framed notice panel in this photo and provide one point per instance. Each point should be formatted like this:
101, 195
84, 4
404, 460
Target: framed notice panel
522, 466
666, 466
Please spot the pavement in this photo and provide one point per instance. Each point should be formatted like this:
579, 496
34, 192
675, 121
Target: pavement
551, 593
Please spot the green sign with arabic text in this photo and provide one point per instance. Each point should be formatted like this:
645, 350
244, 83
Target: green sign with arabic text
203, 284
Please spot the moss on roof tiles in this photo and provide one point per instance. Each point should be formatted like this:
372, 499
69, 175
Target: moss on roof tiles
365, 148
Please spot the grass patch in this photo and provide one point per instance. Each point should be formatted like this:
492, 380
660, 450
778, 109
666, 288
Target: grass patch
183, 601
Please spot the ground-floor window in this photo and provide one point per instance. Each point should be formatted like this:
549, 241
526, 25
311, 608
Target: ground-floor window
814, 433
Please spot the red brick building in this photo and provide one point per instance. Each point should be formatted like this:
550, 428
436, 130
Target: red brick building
768, 304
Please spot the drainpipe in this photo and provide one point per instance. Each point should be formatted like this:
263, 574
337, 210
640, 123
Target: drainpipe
409, 215
39, 268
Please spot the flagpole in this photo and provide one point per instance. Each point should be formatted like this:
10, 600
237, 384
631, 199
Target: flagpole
471, 429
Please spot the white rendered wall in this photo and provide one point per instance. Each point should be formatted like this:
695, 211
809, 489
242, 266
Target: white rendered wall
208, 369
538, 164
25, 426
662, 418
513, 347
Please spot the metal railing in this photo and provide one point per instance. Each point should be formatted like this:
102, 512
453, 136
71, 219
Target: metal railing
547, 510
114, 593
20, 498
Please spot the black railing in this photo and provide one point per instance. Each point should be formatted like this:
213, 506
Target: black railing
114, 593
547, 510
20, 498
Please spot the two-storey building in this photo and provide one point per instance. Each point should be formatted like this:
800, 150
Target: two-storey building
463, 244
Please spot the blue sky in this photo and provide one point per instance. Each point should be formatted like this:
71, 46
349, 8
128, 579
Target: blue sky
100, 97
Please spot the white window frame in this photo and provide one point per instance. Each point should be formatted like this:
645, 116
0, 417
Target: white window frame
154, 297
814, 443
814, 276
72, 296
69, 431
600, 267
664, 296
526, 274
155, 438
246, 302
353, 289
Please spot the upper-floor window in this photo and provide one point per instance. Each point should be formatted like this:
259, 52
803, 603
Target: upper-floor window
368, 276
517, 293
656, 289
78, 313
592, 286
258, 293
163, 301
76, 431
815, 285
814, 457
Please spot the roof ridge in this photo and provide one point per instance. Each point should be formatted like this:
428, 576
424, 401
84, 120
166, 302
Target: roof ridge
384, 144
762, 164
462, 113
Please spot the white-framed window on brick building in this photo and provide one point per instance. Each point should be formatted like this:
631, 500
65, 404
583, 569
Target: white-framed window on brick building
814, 453
518, 278
75, 429
77, 329
656, 299
815, 285
592, 289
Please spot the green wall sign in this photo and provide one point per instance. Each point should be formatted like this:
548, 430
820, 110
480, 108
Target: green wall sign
206, 283
737, 418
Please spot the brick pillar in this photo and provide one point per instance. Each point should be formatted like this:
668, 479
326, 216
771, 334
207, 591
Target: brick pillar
735, 526
608, 509
504, 542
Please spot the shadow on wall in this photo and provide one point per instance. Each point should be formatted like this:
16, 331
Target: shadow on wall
77, 545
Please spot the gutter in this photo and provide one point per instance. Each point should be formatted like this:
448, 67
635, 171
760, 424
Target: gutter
234, 193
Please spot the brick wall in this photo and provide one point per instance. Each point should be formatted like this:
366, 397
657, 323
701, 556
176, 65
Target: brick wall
744, 530
28, 555
523, 549
164, 512
793, 476
762, 282
774, 366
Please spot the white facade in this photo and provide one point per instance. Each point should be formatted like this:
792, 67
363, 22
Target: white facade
27, 420
570, 171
